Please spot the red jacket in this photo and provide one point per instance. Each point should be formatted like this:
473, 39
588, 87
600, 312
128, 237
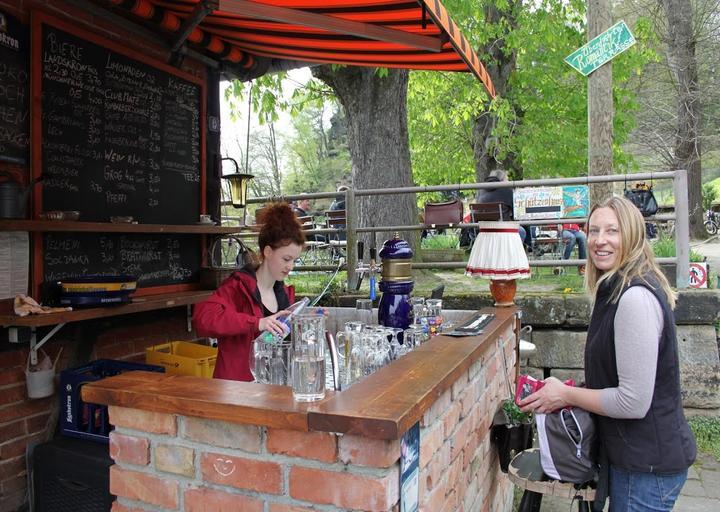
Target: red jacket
232, 315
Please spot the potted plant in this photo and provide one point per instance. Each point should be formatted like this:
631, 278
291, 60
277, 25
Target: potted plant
511, 432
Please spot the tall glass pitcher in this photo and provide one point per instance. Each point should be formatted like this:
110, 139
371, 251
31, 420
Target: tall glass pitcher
308, 358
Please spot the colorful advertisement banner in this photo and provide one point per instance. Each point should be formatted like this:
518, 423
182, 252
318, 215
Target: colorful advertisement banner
551, 202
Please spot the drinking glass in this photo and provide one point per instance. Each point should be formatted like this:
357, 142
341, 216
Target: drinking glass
396, 349
413, 337
308, 357
364, 311
346, 342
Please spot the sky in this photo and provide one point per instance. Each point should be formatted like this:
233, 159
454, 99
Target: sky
234, 131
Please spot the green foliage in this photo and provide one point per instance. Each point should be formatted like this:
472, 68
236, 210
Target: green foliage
540, 122
446, 241
709, 194
514, 415
664, 247
707, 434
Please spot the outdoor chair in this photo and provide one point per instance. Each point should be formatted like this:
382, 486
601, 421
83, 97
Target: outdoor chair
494, 211
317, 249
337, 219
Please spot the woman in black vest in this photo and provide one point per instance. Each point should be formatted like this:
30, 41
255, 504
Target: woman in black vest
631, 365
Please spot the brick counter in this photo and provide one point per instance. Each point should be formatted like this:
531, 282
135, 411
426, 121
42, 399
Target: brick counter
185, 443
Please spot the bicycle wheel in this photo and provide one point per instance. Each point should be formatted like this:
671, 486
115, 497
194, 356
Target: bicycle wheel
711, 227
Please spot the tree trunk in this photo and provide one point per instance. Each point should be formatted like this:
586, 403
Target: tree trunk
600, 107
500, 64
376, 111
683, 66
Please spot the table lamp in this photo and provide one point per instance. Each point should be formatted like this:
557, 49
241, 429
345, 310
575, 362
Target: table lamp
498, 255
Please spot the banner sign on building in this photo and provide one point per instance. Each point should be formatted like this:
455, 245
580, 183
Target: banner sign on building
551, 202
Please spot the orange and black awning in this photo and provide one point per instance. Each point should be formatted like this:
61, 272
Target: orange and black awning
410, 34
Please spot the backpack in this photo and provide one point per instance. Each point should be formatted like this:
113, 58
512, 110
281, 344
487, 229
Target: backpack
642, 196
567, 445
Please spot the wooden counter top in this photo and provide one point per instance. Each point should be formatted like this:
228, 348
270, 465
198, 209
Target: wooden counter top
382, 406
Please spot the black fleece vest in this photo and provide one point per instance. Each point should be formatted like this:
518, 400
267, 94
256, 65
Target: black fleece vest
661, 442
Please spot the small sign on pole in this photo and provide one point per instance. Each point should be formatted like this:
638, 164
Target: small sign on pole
601, 49
698, 275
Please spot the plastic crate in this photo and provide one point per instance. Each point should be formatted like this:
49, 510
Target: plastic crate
183, 358
86, 420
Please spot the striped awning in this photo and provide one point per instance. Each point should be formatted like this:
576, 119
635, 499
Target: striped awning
409, 34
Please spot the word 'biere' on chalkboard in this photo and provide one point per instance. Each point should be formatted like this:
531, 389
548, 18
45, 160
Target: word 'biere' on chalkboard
14, 91
119, 137
153, 259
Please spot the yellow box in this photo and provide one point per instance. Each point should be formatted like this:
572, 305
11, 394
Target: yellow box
183, 358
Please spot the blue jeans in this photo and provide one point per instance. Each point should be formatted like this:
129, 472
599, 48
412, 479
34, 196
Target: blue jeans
571, 238
632, 491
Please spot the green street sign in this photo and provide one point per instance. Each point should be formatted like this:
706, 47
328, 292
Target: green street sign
601, 49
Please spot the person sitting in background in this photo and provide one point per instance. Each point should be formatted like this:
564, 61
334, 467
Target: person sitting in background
572, 235
252, 299
339, 201
301, 207
499, 195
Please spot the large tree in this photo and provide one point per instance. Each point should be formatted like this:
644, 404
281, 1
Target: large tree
681, 41
375, 109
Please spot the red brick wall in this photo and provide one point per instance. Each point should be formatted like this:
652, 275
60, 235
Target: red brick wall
196, 465
24, 420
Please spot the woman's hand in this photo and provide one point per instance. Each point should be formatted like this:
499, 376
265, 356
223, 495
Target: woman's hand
551, 397
273, 324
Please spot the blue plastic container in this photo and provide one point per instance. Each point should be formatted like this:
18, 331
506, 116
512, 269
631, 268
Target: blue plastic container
86, 420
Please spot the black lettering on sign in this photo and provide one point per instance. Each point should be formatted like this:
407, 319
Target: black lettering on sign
14, 91
154, 259
119, 137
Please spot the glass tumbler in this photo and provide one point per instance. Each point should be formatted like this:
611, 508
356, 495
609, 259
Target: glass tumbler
364, 311
307, 373
347, 340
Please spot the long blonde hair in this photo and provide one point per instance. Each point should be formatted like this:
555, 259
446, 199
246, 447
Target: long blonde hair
636, 256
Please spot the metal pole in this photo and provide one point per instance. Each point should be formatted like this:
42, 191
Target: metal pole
350, 237
682, 229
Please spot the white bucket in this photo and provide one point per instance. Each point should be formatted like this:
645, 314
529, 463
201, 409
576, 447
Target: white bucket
40, 383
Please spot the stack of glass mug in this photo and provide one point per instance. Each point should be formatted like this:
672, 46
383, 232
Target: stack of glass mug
363, 348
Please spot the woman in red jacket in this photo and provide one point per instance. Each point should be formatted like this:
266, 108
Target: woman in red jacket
252, 299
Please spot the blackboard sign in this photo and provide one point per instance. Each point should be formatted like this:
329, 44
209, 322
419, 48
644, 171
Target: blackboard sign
14, 91
119, 136
154, 259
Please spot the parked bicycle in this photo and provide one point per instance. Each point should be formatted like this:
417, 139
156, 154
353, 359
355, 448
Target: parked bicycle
712, 222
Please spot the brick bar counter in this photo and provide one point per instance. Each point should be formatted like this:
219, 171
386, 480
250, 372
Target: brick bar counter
203, 445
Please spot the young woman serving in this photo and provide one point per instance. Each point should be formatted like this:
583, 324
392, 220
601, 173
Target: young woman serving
631, 366
252, 299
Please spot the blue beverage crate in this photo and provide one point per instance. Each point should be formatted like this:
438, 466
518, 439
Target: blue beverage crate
86, 420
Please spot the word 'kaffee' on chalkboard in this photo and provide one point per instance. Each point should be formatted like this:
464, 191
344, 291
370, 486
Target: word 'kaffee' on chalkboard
120, 136
154, 260
14, 91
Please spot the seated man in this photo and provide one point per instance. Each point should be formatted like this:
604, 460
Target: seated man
301, 208
500, 195
573, 235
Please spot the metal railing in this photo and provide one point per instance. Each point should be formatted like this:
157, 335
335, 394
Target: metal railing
680, 217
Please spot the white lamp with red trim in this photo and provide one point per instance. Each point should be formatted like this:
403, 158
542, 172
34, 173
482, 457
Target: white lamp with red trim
498, 255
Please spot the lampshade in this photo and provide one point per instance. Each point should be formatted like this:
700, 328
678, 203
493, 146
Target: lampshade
498, 253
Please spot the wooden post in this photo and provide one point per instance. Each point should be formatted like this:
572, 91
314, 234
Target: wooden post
600, 107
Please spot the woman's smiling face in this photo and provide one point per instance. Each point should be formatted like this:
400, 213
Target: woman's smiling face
604, 240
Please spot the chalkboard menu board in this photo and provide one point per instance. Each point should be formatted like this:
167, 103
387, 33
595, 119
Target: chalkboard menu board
119, 136
153, 259
14, 91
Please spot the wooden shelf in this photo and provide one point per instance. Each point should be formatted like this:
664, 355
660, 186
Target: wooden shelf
138, 305
107, 227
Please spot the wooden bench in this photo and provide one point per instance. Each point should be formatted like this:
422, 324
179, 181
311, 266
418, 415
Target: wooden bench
526, 472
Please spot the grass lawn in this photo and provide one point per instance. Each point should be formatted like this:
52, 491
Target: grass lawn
456, 283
